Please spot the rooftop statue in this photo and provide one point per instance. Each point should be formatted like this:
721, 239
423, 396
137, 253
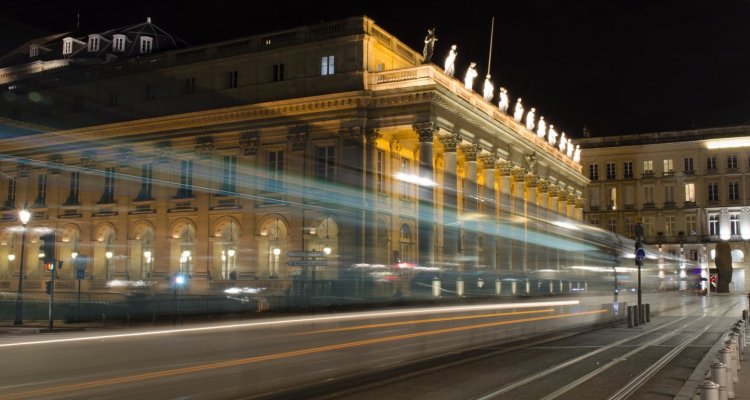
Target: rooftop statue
471, 73
552, 135
530, 119
577, 155
563, 141
450, 62
429, 45
570, 149
518, 111
489, 89
541, 129
504, 103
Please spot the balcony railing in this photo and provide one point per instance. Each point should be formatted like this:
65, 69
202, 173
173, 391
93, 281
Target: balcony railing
647, 174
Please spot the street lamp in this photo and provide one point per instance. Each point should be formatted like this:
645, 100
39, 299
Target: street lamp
108, 257
147, 256
24, 215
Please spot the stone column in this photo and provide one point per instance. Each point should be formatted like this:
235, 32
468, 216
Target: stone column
519, 217
470, 196
489, 231
425, 194
451, 231
562, 202
505, 253
553, 214
543, 215
370, 195
532, 225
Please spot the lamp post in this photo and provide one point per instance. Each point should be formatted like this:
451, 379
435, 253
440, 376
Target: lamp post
24, 215
108, 257
147, 257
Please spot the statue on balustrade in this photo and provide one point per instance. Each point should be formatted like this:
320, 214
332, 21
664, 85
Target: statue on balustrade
471, 73
518, 111
450, 61
489, 89
429, 45
530, 119
504, 102
563, 141
541, 129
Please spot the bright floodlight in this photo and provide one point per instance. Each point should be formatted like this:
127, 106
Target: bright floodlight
25, 216
327, 250
147, 253
11, 257
179, 279
276, 251
108, 254
231, 252
74, 255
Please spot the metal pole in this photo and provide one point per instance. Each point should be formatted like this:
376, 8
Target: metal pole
78, 305
52, 293
19, 297
492, 33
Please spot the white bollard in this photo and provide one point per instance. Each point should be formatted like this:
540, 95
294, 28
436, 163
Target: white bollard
725, 356
732, 343
719, 375
460, 287
498, 286
709, 390
436, 287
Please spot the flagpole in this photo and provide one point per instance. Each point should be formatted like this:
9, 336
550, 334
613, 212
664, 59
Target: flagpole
492, 32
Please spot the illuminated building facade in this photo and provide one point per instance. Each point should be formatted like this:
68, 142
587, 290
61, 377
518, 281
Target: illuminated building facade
689, 189
221, 161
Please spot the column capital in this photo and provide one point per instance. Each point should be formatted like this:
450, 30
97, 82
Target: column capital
579, 202
426, 131
562, 195
532, 180
372, 135
519, 174
543, 186
554, 190
450, 142
470, 151
504, 167
488, 160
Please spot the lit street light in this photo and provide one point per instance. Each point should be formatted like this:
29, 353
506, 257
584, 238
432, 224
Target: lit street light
108, 256
24, 215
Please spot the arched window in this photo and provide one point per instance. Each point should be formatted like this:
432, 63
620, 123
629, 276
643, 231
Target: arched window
738, 255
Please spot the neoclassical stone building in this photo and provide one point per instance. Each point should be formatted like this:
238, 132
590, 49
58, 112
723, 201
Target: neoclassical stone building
689, 189
221, 161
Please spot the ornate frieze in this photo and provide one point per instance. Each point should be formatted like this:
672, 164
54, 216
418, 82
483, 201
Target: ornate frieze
125, 157
249, 143
204, 146
426, 131
163, 152
88, 159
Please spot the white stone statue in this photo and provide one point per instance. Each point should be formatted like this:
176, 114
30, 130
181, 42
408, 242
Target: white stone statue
563, 141
577, 155
450, 61
518, 111
551, 135
504, 103
541, 129
471, 73
570, 149
530, 119
489, 89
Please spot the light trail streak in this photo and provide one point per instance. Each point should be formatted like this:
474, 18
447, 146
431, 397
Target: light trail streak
426, 321
250, 360
305, 320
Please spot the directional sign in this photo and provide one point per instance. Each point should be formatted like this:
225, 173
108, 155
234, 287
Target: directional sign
80, 274
640, 254
306, 254
307, 263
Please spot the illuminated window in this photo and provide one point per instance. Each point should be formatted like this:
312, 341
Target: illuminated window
648, 167
691, 225
327, 65
67, 46
612, 199
594, 172
118, 43
690, 192
405, 170
668, 166
734, 223
713, 224
670, 225
147, 44
380, 173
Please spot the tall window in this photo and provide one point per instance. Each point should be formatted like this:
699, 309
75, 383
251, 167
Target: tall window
689, 167
108, 196
691, 225
648, 167
74, 186
734, 190
186, 180
612, 225
118, 43
67, 46
594, 198
278, 72
713, 224
690, 192
628, 170
648, 226
147, 175
711, 162
147, 44
668, 166
594, 172
275, 169
327, 65
734, 223
380, 173
229, 175
713, 191
648, 194
324, 163
613, 198
405, 243
405, 170
232, 79
10, 200
693, 255
41, 191
668, 194
732, 161
629, 196
611, 173
629, 227
670, 225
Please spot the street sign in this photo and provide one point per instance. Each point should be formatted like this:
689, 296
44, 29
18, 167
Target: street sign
80, 274
306, 254
640, 254
307, 263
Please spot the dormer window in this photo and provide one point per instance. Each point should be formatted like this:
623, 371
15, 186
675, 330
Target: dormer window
34, 51
67, 46
118, 43
147, 43
94, 43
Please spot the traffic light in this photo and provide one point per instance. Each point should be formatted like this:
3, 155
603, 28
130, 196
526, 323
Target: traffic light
48, 286
49, 248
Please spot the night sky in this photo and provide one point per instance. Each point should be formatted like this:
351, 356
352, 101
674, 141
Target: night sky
615, 66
